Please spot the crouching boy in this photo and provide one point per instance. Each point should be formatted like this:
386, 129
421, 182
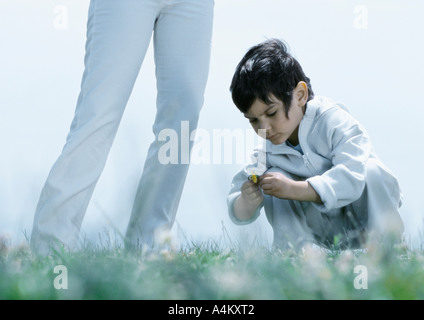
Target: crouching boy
322, 182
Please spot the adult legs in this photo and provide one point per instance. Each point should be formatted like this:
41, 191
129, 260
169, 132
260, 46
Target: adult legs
118, 35
182, 41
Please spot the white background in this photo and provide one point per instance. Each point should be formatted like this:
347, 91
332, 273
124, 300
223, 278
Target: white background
367, 54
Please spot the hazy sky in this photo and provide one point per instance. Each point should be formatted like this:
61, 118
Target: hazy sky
367, 54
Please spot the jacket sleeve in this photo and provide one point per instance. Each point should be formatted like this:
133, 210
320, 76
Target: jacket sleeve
238, 180
349, 147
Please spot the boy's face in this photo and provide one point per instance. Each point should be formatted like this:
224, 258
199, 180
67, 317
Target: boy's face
272, 118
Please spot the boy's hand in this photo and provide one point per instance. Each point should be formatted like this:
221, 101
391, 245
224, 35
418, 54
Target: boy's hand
276, 184
251, 194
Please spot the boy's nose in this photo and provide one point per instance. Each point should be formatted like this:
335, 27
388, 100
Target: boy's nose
263, 125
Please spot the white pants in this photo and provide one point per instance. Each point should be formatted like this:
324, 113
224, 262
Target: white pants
374, 214
118, 36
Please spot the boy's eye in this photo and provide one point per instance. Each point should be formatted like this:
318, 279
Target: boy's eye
272, 114
253, 120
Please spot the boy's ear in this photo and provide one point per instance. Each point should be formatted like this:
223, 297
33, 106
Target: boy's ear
301, 93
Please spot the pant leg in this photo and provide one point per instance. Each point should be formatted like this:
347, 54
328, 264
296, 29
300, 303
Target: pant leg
182, 41
341, 228
287, 219
118, 35
288, 223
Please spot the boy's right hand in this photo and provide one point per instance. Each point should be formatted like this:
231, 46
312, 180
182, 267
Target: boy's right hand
251, 194
248, 202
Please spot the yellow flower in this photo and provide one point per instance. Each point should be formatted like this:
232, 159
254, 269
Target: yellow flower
253, 178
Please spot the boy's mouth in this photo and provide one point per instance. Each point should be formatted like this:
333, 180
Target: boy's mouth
271, 137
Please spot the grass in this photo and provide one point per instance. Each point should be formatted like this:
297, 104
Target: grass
207, 271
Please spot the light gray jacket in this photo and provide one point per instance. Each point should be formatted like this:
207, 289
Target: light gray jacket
336, 148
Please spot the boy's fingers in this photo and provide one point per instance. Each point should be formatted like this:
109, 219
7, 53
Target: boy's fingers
264, 181
251, 195
247, 184
263, 177
266, 186
253, 190
249, 192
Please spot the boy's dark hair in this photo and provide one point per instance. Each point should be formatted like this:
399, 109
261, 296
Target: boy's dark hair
267, 68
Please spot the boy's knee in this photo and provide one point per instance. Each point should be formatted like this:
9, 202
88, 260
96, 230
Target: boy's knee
373, 170
384, 200
382, 182
377, 172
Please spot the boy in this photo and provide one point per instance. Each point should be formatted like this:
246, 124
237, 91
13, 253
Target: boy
322, 181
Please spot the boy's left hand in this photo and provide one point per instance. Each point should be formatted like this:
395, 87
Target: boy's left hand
276, 184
